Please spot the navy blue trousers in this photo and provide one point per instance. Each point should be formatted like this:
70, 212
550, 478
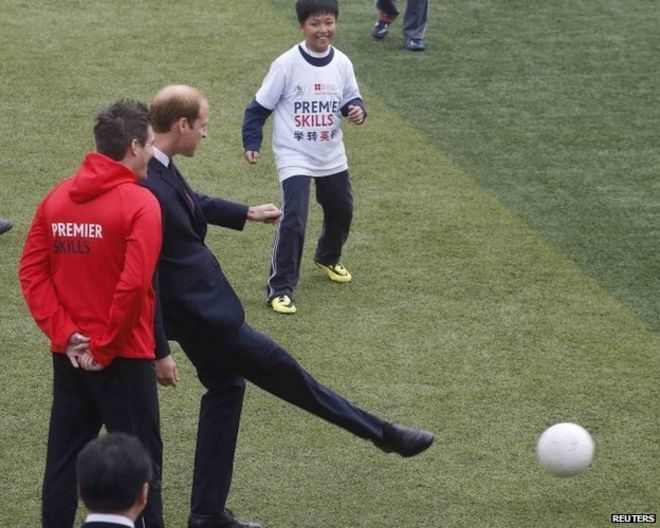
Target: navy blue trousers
334, 195
123, 397
223, 363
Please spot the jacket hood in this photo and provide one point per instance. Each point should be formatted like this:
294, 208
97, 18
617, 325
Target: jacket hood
97, 175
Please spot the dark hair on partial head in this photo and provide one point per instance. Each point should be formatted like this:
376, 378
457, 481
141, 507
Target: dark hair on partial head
118, 125
112, 470
307, 8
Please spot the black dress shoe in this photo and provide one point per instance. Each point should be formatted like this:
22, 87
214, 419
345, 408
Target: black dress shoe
225, 519
405, 441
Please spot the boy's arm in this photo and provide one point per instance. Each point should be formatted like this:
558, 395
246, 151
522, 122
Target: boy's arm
263, 104
253, 126
355, 111
354, 108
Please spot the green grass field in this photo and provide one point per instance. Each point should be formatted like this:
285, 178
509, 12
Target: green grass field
505, 250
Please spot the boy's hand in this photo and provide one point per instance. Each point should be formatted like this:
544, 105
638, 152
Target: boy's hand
251, 156
355, 114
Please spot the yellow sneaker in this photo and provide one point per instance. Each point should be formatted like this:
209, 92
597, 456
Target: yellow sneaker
336, 272
282, 304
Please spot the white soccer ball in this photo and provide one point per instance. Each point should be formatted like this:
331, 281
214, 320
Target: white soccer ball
565, 449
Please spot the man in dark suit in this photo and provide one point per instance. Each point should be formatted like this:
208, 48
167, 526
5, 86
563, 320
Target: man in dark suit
114, 472
200, 310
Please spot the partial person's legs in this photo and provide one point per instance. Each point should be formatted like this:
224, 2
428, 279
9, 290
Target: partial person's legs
388, 7
127, 395
414, 24
334, 194
289, 237
217, 431
222, 362
269, 366
387, 13
74, 421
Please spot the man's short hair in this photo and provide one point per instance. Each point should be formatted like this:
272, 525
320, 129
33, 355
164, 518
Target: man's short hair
118, 125
112, 470
174, 102
308, 8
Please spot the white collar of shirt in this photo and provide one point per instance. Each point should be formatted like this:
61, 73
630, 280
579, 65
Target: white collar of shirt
110, 518
314, 54
162, 157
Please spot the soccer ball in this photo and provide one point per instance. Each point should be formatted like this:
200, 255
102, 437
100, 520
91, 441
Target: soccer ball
565, 449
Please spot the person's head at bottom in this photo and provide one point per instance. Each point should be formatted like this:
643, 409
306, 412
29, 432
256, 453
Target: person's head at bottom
114, 472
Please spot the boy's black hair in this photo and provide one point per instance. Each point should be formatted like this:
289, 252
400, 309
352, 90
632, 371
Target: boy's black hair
307, 8
111, 471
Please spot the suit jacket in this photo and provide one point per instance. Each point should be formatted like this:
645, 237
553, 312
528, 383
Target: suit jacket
195, 296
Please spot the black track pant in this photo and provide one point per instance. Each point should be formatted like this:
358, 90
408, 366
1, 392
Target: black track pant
334, 195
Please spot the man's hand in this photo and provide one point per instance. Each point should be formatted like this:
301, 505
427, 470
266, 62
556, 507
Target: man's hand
267, 213
167, 372
251, 156
87, 362
78, 346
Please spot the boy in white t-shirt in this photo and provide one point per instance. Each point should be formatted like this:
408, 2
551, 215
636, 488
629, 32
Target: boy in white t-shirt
308, 89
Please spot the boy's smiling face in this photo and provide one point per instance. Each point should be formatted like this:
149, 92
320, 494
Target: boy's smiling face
319, 30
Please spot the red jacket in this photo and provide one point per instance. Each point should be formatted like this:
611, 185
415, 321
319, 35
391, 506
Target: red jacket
89, 259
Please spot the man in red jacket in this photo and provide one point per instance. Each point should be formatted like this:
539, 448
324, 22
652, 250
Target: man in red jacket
86, 273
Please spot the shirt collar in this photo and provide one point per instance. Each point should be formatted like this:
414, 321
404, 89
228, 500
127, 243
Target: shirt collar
161, 156
315, 54
319, 62
110, 518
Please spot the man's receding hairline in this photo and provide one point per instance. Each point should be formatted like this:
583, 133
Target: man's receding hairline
174, 90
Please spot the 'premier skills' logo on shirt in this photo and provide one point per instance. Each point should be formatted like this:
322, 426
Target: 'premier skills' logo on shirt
71, 237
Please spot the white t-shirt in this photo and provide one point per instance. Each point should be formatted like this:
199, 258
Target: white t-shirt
306, 100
